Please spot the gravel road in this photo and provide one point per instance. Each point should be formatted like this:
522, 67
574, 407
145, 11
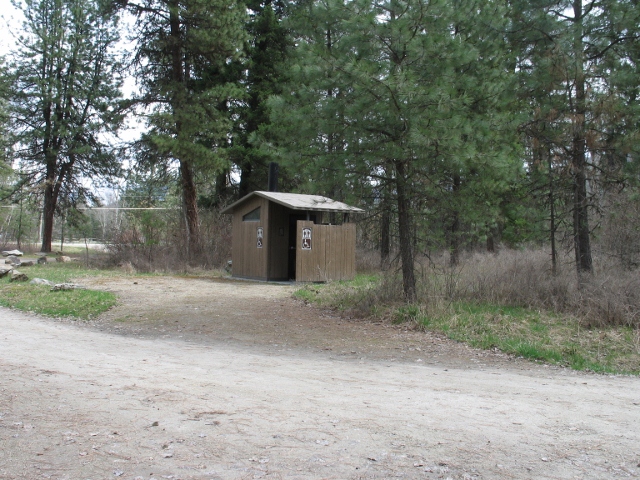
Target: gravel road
153, 398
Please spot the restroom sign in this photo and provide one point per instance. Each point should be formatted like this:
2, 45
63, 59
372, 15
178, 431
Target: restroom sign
306, 239
260, 234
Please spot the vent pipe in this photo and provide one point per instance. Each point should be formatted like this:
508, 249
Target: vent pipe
273, 177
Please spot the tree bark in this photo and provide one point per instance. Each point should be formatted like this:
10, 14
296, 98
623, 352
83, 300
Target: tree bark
552, 218
582, 244
404, 231
222, 189
491, 244
385, 230
47, 215
190, 206
178, 71
454, 245
244, 188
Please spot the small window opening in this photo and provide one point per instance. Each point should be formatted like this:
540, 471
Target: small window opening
252, 216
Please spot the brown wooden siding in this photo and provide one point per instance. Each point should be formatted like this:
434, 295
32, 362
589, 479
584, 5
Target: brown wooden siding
332, 254
278, 242
249, 260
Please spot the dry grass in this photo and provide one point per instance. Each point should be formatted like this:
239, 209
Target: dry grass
523, 278
511, 301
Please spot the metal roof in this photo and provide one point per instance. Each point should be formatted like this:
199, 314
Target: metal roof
298, 201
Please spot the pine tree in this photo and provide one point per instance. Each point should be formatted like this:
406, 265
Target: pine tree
415, 96
64, 100
263, 75
183, 48
572, 59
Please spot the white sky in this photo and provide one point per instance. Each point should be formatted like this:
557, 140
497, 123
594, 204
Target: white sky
10, 25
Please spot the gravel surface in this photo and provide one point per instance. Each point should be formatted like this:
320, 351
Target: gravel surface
217, 379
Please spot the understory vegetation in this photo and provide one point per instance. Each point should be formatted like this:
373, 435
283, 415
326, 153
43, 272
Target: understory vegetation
508, 301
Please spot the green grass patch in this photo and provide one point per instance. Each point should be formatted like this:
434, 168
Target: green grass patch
341, 295
533, 335
81, 304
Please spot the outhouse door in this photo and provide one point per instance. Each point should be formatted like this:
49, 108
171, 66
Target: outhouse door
293, 240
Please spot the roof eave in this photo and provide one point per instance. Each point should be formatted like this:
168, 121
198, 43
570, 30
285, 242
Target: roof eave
229, 209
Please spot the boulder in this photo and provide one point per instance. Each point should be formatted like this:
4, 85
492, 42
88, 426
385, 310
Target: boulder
4, 270
63, 259
12, 260
27, 263
16, 253
17, 276
42, 261
41, 281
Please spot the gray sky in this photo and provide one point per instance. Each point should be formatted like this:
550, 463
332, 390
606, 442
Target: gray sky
10, 25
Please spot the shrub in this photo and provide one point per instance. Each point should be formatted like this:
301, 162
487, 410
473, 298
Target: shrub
519, 278
154, 241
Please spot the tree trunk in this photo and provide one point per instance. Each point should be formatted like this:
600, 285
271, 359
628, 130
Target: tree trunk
552, 219
491, 244
244, 188
581, 232
454, 245
49, 207
404, 231
190, 206
189, 193
385, 230
47, 215
222, 189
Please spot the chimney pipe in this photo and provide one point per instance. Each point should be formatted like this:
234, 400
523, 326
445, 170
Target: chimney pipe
273, 177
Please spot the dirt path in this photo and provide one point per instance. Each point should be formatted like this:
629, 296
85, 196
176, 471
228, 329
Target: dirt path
199, 379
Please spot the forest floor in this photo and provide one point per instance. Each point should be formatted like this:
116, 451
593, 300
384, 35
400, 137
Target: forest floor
192, 378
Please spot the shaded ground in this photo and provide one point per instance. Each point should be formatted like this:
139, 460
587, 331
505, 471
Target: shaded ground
203, 379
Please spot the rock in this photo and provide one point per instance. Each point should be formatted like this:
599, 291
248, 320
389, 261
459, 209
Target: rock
15, 253
42, 261
67, 286
12, 260
4, 270
17, 276
40, 281
63, 259
27, 263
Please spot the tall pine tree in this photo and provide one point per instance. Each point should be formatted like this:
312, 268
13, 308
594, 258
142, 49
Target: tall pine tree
414, 95
183, 48
64, 100
574, 60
